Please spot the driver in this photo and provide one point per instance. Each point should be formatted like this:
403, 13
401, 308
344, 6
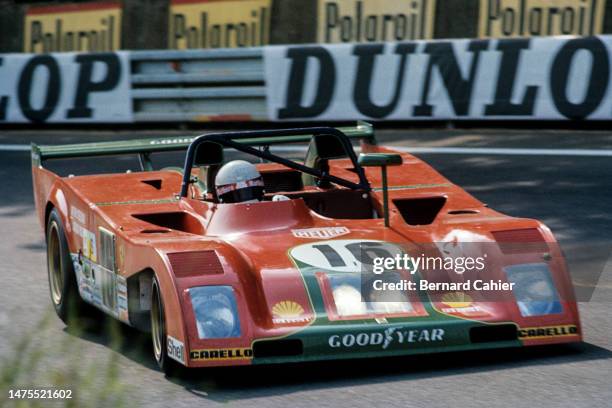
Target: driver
239, 182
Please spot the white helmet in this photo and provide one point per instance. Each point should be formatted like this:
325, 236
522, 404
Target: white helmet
239, 181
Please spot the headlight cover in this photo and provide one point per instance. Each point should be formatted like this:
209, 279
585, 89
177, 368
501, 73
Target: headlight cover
215, 312
534, 289
346, 292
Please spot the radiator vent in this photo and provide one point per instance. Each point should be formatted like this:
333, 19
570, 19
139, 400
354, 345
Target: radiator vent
520, 241
185, 264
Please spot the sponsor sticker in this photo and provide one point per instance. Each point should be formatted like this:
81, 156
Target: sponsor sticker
221, 354
320, 233
462, 304
176, 349
218, 24
122, 299
77, 215
90, 249
387, 338
93, 26
288, 311
547, 332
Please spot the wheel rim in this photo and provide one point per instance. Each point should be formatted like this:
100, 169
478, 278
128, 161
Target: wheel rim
54, 259
156, 324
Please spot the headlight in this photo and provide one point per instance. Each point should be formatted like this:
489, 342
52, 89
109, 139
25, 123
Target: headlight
346, 291
215, 311
347, 297
534, 289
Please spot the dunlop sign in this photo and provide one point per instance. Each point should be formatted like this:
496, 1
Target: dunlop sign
218, 23
529, 78
92, 27
526, 18
65, 87
374, 20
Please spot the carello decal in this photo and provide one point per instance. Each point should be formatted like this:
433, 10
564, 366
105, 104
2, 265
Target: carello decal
216, 24
92, 26
540, 78
221, 354
65, 87
524, 18
547, 332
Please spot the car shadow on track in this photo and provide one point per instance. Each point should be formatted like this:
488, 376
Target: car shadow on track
236, 383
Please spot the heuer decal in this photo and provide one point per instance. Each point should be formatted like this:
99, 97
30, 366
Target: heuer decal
387, 338
221, 354
547, 331
320, 233
176, 349
288, 311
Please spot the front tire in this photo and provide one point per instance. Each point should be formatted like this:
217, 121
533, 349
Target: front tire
158, 333
63, 288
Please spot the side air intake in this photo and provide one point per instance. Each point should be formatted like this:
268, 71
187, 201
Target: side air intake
420, 211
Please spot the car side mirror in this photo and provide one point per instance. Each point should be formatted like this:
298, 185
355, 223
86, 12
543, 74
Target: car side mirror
208, 154
381, 160
329, 147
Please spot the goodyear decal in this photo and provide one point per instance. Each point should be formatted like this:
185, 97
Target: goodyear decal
222, 354
547, 332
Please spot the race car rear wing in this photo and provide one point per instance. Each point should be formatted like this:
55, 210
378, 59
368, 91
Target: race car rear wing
144, 147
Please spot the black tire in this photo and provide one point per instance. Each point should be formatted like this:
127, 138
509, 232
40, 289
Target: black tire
63, 288
158, 334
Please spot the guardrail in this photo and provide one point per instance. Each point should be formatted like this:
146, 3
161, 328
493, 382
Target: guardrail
198, 85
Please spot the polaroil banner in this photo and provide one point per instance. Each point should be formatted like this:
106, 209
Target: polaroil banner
551, 78
94, 27
218, 23
526, 18
374, 20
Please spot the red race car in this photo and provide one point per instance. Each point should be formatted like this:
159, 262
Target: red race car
271, 259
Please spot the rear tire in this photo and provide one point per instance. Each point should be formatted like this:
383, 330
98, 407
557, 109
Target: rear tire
63, 287
159, 336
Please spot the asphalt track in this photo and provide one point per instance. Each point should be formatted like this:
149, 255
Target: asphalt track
570, 191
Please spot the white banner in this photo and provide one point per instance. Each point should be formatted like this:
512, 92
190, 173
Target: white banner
65, 88
552, 78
